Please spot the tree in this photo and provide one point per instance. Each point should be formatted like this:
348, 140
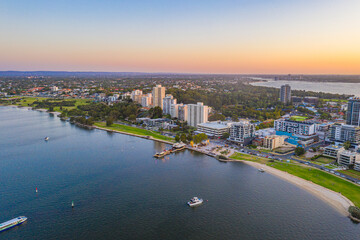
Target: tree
183, 137
132, 117
225, 135
347, 145
235, 118
189, 137
177, 138
217, 117
299, 151
155, 112
109, 121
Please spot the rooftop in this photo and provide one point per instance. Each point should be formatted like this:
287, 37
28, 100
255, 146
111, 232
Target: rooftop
217, 125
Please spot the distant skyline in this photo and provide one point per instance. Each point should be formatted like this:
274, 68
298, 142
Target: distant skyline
204, 36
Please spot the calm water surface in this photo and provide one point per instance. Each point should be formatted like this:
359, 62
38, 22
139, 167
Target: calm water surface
121, 192
328, 87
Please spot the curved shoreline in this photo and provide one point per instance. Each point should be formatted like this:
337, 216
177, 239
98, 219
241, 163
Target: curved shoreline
334, 199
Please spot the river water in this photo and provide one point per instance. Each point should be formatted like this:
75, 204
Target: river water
121, 192
328, 87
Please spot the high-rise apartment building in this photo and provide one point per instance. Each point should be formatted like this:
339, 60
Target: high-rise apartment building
174, 110
158, 95
167, 102
182, 112
285, 93
146, 100
197, 113
353, 112
341, 133
242, 132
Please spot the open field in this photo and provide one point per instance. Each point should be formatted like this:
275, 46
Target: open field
252, 158
348, 189
298, 118
323, 160
29, 101
134, 130
335, 100
352, 173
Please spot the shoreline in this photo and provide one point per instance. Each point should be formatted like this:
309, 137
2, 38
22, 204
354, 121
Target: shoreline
332, 198
134, 135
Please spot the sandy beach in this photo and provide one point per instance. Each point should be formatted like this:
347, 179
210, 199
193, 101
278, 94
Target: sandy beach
334, 199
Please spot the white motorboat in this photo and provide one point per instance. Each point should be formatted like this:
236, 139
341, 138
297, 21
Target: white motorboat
47, 138
195, 201
261, 170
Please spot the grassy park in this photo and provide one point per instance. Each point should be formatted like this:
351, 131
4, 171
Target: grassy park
29, 102
352, 173
134, 130
348, 189
246, 157
298, 118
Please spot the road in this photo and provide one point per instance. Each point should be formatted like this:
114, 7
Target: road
290, 157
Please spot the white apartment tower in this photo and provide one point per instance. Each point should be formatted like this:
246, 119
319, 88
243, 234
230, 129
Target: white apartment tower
158, 95
197, 113
182, 112
168, 101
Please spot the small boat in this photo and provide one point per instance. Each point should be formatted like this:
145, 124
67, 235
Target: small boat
12, 223
195, 201
261, 170
47, 138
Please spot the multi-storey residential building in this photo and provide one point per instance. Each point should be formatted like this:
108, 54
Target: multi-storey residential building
273, 141
158, 95
214, 129
285, 93
242, 132
353, 112
54, 88
342, 133
295, 127
136, 95
182, 112
197, 113
333, 151
348, 158
357, 165
174, 110
146, 100
168, 100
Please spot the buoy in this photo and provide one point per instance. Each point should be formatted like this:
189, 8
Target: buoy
72, 204
36, 190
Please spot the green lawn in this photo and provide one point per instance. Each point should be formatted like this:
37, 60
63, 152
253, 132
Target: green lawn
298, 118
348, 189
352, 173
246, 157
134, 130
335, 100
324, 160
28, 101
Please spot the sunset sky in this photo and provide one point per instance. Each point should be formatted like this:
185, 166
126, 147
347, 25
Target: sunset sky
197, 36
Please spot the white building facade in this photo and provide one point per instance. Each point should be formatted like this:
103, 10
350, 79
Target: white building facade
197, 113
